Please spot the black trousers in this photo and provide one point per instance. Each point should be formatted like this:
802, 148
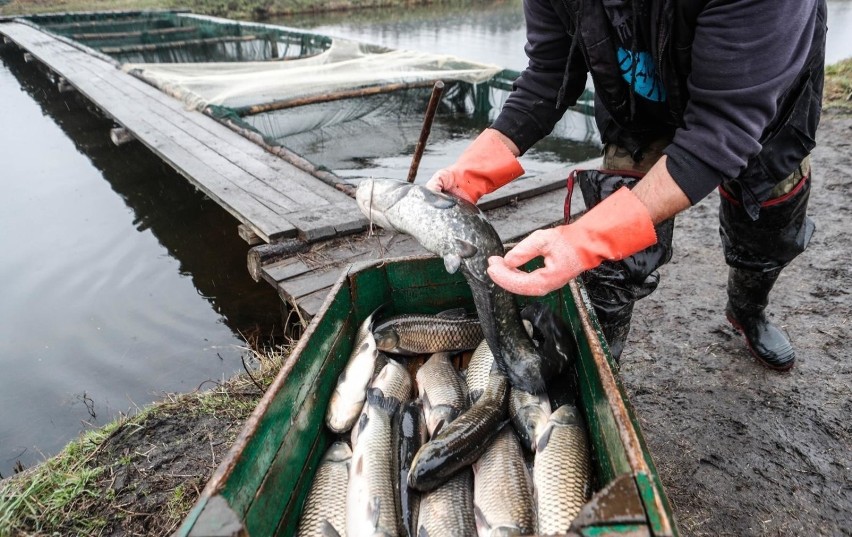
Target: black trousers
781, 232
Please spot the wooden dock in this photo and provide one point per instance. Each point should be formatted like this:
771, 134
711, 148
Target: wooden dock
315, 230
273, 198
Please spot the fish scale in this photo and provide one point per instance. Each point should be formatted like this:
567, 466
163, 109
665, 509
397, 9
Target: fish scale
502, 488
447, 511
478, 370
426, 334
441, 389
370, 503
561, 471
326, 501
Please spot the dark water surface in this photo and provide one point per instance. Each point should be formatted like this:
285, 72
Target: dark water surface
118, 281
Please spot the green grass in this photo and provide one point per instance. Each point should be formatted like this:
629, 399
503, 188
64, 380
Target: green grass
838, 85
72, 493
47, 497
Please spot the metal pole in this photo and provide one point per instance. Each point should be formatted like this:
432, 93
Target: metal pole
437, 90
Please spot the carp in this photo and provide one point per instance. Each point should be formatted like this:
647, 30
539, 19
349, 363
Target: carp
458, 232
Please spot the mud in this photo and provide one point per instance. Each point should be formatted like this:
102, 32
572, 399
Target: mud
743, 450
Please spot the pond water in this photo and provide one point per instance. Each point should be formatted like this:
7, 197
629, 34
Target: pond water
120, 282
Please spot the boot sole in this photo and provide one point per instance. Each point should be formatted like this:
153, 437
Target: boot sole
738, 327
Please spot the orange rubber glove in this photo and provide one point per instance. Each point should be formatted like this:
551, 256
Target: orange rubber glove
617, 227
486, 165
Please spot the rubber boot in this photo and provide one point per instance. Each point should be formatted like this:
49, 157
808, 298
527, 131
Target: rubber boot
748, 295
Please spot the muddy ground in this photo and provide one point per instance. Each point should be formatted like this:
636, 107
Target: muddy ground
743, 450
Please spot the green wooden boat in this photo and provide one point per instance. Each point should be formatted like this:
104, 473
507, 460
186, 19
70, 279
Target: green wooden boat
259, 488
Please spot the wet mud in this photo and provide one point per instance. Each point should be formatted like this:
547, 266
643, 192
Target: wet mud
743, 450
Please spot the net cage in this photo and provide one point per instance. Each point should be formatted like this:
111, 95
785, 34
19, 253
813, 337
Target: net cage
352, 108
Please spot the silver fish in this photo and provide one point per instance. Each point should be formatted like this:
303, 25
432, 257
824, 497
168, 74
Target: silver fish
409, 429
351, 389
441, 390
370, 504
458, 232
393, 381
451, 330
462, 441
529, 414
326, 502
502, 489
478, 370
447, 511
561, 472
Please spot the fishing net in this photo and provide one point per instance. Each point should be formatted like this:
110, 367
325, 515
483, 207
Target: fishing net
350, 107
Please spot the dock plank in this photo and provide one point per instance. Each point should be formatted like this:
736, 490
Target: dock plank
269, 195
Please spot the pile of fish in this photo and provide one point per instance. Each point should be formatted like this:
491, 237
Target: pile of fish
446, 452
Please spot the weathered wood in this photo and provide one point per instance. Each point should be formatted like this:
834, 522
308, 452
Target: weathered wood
330, 96
137, 33
270, 253
174, 44
261, 190
434, 99
120, 136
248, 235
92, 23
63, 86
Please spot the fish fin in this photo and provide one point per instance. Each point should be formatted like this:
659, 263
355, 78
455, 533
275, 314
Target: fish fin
439, 201
376, 398
327, 530
452, 263
541, 441
474, 395
455, 313
363, 419
373, 511
466, 248
438, 427
482, 525
422, 532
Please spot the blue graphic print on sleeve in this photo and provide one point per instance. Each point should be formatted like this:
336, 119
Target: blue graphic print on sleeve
646, 83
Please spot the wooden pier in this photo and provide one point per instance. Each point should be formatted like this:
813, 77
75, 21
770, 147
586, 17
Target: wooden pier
313, 229
273, 198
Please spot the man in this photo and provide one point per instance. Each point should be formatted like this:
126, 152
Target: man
690, 95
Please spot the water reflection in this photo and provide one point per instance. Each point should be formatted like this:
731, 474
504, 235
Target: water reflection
107, 300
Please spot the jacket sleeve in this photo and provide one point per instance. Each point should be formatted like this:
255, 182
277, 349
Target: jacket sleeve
530, 112
745, 57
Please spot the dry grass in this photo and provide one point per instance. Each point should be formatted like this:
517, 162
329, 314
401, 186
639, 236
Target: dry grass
141, 474
838, 85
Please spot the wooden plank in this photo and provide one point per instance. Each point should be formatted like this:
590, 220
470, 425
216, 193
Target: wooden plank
219, 181
255, 175
174, 44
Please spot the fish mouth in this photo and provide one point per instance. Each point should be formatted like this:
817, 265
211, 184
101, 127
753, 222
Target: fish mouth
375, 198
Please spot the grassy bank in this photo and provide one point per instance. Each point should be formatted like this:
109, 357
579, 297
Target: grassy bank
138, 475
838, 85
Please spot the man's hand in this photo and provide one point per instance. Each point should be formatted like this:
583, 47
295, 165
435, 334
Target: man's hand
617, 227
487, 164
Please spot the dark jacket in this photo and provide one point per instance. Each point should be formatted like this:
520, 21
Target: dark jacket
743, 83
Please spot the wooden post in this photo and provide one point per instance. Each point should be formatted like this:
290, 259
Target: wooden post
120, 136
273, 45
63, 86
248, 235
437, 90
270, 253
